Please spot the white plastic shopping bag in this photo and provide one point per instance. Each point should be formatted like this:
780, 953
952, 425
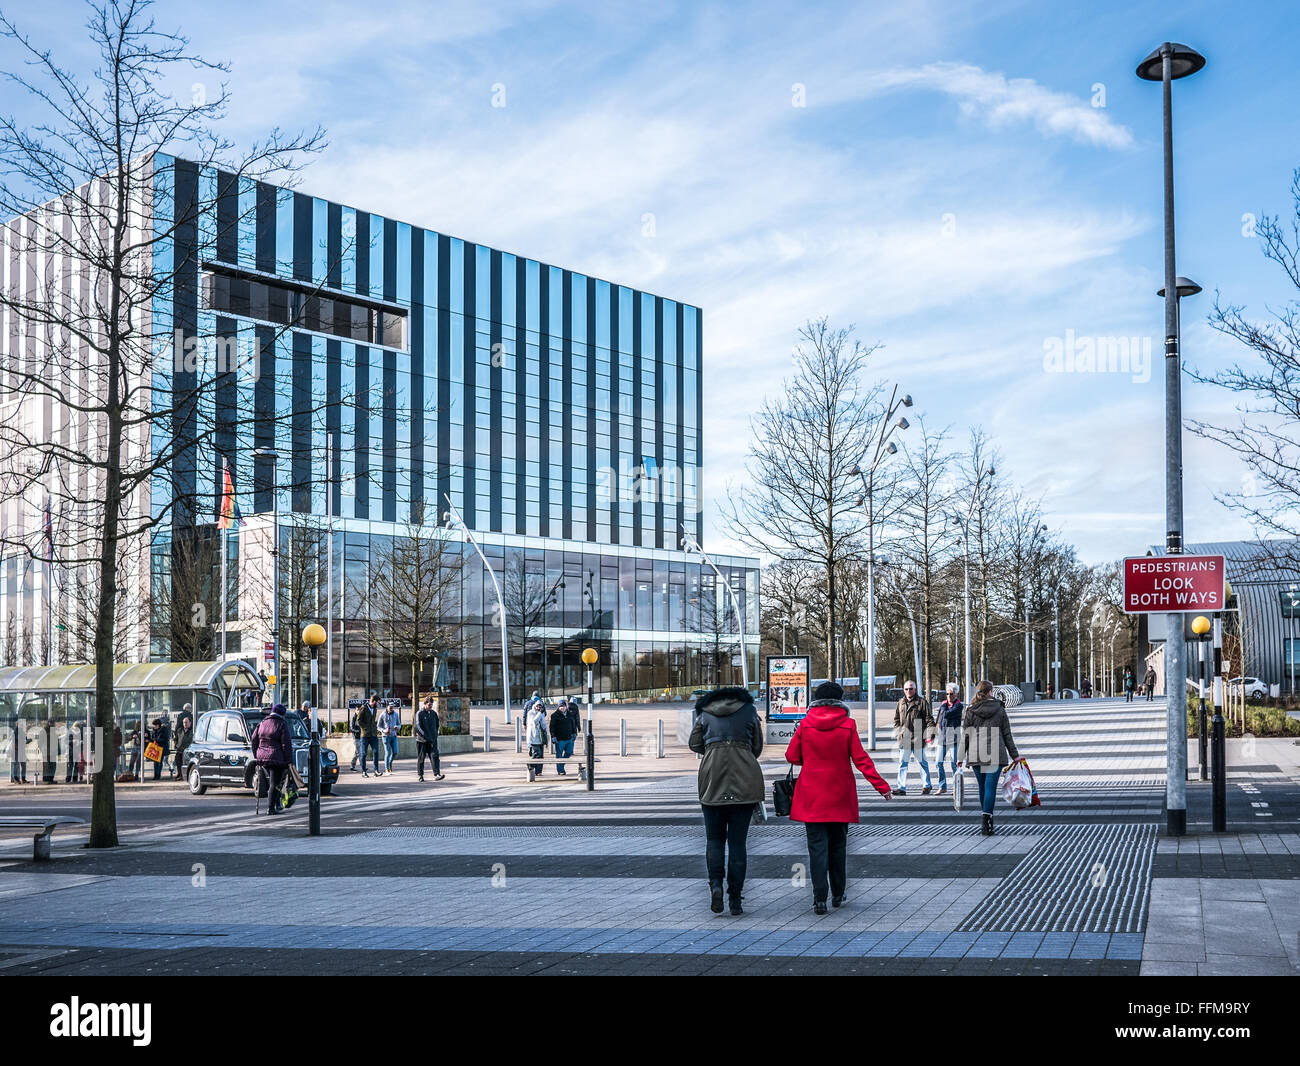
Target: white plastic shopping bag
1018, 786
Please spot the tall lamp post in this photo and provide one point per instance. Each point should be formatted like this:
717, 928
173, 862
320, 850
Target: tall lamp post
274, 456
313, 636
452, 518
1166, 64
884, 446
691, 547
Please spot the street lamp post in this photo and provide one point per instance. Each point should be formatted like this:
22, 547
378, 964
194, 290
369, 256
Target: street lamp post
452, 517
884, 447
274, 456
1056, 645
1166, 64
975, 498
691, 547
313, 636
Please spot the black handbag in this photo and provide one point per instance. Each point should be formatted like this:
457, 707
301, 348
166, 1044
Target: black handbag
783, 794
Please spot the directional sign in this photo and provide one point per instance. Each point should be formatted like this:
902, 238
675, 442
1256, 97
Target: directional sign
1173, 583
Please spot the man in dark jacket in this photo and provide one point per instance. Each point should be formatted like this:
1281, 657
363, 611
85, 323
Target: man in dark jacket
575, 716
562, 734
912, 718
368, 722
425, 729
950, 714
1149, 683
273, 751
729, 734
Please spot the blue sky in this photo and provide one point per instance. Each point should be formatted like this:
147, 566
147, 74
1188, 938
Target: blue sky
948, 187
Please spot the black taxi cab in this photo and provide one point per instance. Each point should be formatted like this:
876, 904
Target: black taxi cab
221, 753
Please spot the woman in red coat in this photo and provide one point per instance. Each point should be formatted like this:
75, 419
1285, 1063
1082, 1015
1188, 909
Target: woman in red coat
826, 745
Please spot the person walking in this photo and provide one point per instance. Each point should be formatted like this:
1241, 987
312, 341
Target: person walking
912, 718
368, 723
184, 737
354, 727
986, 747
1149, 683
535, 728
1130, 683
162, 736
273, 752
390, 726
728, 733
949, 721
826, 744
1085, 689
426, 728
562, 733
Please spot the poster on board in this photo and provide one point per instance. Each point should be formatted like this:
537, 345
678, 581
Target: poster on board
787, 695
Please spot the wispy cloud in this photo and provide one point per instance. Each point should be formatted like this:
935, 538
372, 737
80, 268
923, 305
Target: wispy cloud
1001, 101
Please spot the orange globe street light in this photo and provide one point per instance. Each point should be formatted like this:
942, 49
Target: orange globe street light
590, 657
313, 636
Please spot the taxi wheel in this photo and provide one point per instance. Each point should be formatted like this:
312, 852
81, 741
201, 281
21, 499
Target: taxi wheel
197, 787
327, 790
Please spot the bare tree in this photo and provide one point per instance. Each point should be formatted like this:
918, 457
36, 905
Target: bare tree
82, 184
924, 528
415, 593
800, 500
1267, 434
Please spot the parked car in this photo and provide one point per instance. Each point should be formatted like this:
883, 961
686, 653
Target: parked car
220, 753
1256, 690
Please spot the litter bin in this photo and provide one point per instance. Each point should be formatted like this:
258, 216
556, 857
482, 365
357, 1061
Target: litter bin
1028, 691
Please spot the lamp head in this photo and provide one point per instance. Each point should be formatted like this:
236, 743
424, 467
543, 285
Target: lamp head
855, 470
1182, 62
1200, 625
589, 656
859, 500
893, 448
1182, 287
903, 423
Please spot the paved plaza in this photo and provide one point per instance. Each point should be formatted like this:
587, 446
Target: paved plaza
497, 876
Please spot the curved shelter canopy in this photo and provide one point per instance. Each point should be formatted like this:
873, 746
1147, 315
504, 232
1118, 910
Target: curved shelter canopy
136, 686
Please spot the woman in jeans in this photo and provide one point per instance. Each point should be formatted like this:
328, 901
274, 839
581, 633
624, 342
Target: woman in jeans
986, 742
729, 735
827, 746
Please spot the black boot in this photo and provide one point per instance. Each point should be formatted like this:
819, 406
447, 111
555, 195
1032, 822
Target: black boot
734, 897
990, 818
715, 898
986, 824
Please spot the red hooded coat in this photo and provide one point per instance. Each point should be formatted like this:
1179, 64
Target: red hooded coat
826, 745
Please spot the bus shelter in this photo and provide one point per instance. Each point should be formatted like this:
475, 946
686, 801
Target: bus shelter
58, 701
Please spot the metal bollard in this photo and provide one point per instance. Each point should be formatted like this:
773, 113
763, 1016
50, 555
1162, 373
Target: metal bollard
622, 736
487, 734
591, 758
519, 736
1200, 736
660, 754
1220, 772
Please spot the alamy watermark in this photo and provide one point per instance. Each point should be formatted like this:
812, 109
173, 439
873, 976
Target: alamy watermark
1073, 354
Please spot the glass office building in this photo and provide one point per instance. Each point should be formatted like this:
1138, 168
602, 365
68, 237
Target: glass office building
361, 372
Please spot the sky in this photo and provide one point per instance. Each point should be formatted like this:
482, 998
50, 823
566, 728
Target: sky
971, 186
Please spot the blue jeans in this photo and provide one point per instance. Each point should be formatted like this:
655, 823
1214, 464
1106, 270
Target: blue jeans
986, 783
947, 753
904, 757
390, 750
563, 748
369, 744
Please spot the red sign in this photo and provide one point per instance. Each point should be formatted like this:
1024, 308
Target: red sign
1159, 583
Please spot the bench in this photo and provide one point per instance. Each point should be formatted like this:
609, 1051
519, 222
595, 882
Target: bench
46, 825
529, 761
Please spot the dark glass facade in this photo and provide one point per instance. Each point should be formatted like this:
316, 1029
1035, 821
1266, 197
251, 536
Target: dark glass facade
560, 414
